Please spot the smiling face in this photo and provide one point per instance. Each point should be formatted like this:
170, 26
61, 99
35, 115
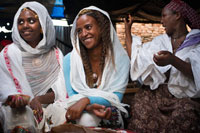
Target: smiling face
29, 27
88, 31
168, 20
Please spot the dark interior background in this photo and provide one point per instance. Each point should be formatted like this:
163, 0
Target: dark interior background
144, 11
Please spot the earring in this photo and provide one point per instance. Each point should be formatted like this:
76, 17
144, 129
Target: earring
41, 31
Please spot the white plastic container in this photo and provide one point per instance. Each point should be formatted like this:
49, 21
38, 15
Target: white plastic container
11, 117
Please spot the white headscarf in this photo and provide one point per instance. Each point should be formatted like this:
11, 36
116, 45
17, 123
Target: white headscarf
114, 79
34, 80
47, 27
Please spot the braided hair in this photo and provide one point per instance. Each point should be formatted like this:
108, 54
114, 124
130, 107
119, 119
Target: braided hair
107, 53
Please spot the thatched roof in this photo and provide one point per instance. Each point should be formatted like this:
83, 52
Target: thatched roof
143, 10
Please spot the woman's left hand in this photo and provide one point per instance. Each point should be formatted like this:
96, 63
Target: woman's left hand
163, 58
37, 108
100, 111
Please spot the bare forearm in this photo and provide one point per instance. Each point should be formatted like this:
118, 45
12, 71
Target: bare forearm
183, 66
128, 41
47, 98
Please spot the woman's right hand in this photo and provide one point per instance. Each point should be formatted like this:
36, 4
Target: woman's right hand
17, 101
74, 112
128, 38
36, 106
128, 23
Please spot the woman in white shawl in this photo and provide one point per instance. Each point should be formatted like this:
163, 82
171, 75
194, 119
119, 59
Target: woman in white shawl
96, 71
169, 66
31, 75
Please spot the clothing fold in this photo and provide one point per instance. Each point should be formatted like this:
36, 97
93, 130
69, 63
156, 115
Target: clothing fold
114, 78
179, 85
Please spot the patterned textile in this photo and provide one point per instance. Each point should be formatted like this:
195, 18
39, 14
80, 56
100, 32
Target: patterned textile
109, 130
19, 129
189, 14
116, 120
159, 111
39, 76
73, 128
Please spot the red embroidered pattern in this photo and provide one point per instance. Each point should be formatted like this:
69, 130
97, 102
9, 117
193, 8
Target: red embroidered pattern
18, 87
57, 55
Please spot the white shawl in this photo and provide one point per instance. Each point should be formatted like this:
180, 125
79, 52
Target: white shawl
113, 79
20, 48
47, 26
143, 66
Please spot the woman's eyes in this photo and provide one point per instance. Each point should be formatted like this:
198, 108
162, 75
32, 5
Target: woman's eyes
20, 21
31, 21
88, 27
78, 31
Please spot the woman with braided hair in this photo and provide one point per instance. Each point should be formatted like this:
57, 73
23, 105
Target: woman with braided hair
96, 71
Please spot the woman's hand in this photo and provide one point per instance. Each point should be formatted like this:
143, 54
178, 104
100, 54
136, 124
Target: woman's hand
99, 110
74, 112
37, 108
17, 101
163, 58
128, 22
128, 38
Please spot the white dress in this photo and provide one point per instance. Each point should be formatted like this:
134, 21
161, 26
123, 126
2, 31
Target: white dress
143, 66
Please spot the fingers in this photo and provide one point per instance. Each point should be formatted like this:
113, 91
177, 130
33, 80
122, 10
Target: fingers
9, 99
17, 101
12, 102
38, 114
103, 113
37, 109
98, 106
72, 114
154, 58
163, 53
108, 113
67, 116
130, 18
125, 21
100, 113
159, 55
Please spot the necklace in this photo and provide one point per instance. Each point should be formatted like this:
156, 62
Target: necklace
174, 41
95, 77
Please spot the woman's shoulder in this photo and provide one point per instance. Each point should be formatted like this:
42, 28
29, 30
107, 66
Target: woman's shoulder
11, 50
66, 60
67, 57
